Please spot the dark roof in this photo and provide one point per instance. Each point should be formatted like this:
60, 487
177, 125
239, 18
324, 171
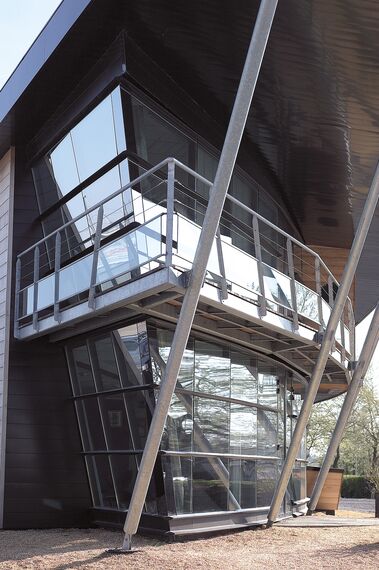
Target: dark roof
315, 115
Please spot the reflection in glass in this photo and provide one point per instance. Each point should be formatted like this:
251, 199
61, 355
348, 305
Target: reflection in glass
115, 422
243, 482
81, 371
101, 481
212, 369
243, 430
90, 424
89, 145
107, 376
244, 377
209, 493
267, 473
212, 417
267, 432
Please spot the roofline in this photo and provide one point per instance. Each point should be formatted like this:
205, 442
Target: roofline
40, 51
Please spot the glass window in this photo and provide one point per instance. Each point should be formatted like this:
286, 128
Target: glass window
115, 422
244, 377
243, 430
107, 375
81, 371
267, 474
267, 384
91, 426
101, 481
179, 428
243, 482
212, 369
212, 418
267, 433
156, 139
178, 484
140, 407
124, 469
209, 492
88, 146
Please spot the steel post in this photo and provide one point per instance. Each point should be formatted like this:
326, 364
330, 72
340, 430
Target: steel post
208, 232
96, 247
364, 360
326, 345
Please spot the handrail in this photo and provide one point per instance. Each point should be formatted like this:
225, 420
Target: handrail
170, 179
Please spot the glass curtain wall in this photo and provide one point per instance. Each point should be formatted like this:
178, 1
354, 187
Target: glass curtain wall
230, 421
114, 402
223, 442
116, 142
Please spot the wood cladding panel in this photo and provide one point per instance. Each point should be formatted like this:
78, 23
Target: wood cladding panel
331, 492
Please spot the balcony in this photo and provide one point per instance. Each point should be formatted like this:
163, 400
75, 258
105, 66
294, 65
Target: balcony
132, 253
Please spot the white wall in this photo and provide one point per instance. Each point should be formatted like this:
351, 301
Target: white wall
6, 228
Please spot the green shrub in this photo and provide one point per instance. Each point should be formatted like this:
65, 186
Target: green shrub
355, 487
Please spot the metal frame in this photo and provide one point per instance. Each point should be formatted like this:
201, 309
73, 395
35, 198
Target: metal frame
211, 223
360, 371
326, 345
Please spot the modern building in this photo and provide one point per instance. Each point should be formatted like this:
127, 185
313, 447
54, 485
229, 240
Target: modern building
111, 129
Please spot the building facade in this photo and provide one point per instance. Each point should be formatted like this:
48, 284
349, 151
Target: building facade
110, 149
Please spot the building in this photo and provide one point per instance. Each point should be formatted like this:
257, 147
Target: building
110, 136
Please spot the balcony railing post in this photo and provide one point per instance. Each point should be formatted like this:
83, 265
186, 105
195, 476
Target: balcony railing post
330, 290
319, 292
258, 255
221, 264
57, 266
343, 351
170, 211
291, 271
16, 328
351, 332
96, 247
35, 288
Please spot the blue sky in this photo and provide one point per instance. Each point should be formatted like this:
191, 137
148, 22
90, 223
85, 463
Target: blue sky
20, 23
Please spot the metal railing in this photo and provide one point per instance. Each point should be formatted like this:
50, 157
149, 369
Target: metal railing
155, 221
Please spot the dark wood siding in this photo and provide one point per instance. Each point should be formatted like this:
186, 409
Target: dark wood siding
45, 478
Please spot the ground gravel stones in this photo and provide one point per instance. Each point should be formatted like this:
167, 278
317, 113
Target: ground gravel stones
278, 547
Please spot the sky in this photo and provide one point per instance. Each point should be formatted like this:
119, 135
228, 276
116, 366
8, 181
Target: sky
20, 23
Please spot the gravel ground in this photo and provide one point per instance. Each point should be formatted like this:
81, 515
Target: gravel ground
292, 548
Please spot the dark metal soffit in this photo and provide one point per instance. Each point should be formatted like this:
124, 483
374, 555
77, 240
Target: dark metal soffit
315, 115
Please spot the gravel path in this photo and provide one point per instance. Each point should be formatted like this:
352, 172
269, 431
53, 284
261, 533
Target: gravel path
290, 548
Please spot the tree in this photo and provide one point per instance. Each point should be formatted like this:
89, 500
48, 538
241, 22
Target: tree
359, 449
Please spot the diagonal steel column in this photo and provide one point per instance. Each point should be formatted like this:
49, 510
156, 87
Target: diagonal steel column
326, 345
364, 360
208, 232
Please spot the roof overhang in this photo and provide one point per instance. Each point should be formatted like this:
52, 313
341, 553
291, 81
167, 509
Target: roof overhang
315, 116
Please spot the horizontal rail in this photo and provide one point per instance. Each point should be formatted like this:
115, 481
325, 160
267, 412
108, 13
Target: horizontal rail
226, 455
265, 245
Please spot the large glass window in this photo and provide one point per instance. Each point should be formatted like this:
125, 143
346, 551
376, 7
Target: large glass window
114, 402
225, 436
225, 409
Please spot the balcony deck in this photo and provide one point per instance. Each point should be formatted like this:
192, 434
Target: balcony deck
264, 289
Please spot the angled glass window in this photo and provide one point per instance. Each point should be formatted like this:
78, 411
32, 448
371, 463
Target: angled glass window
88, 146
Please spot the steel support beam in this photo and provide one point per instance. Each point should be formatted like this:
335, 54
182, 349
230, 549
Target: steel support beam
326, 345
364, 360
217, 198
